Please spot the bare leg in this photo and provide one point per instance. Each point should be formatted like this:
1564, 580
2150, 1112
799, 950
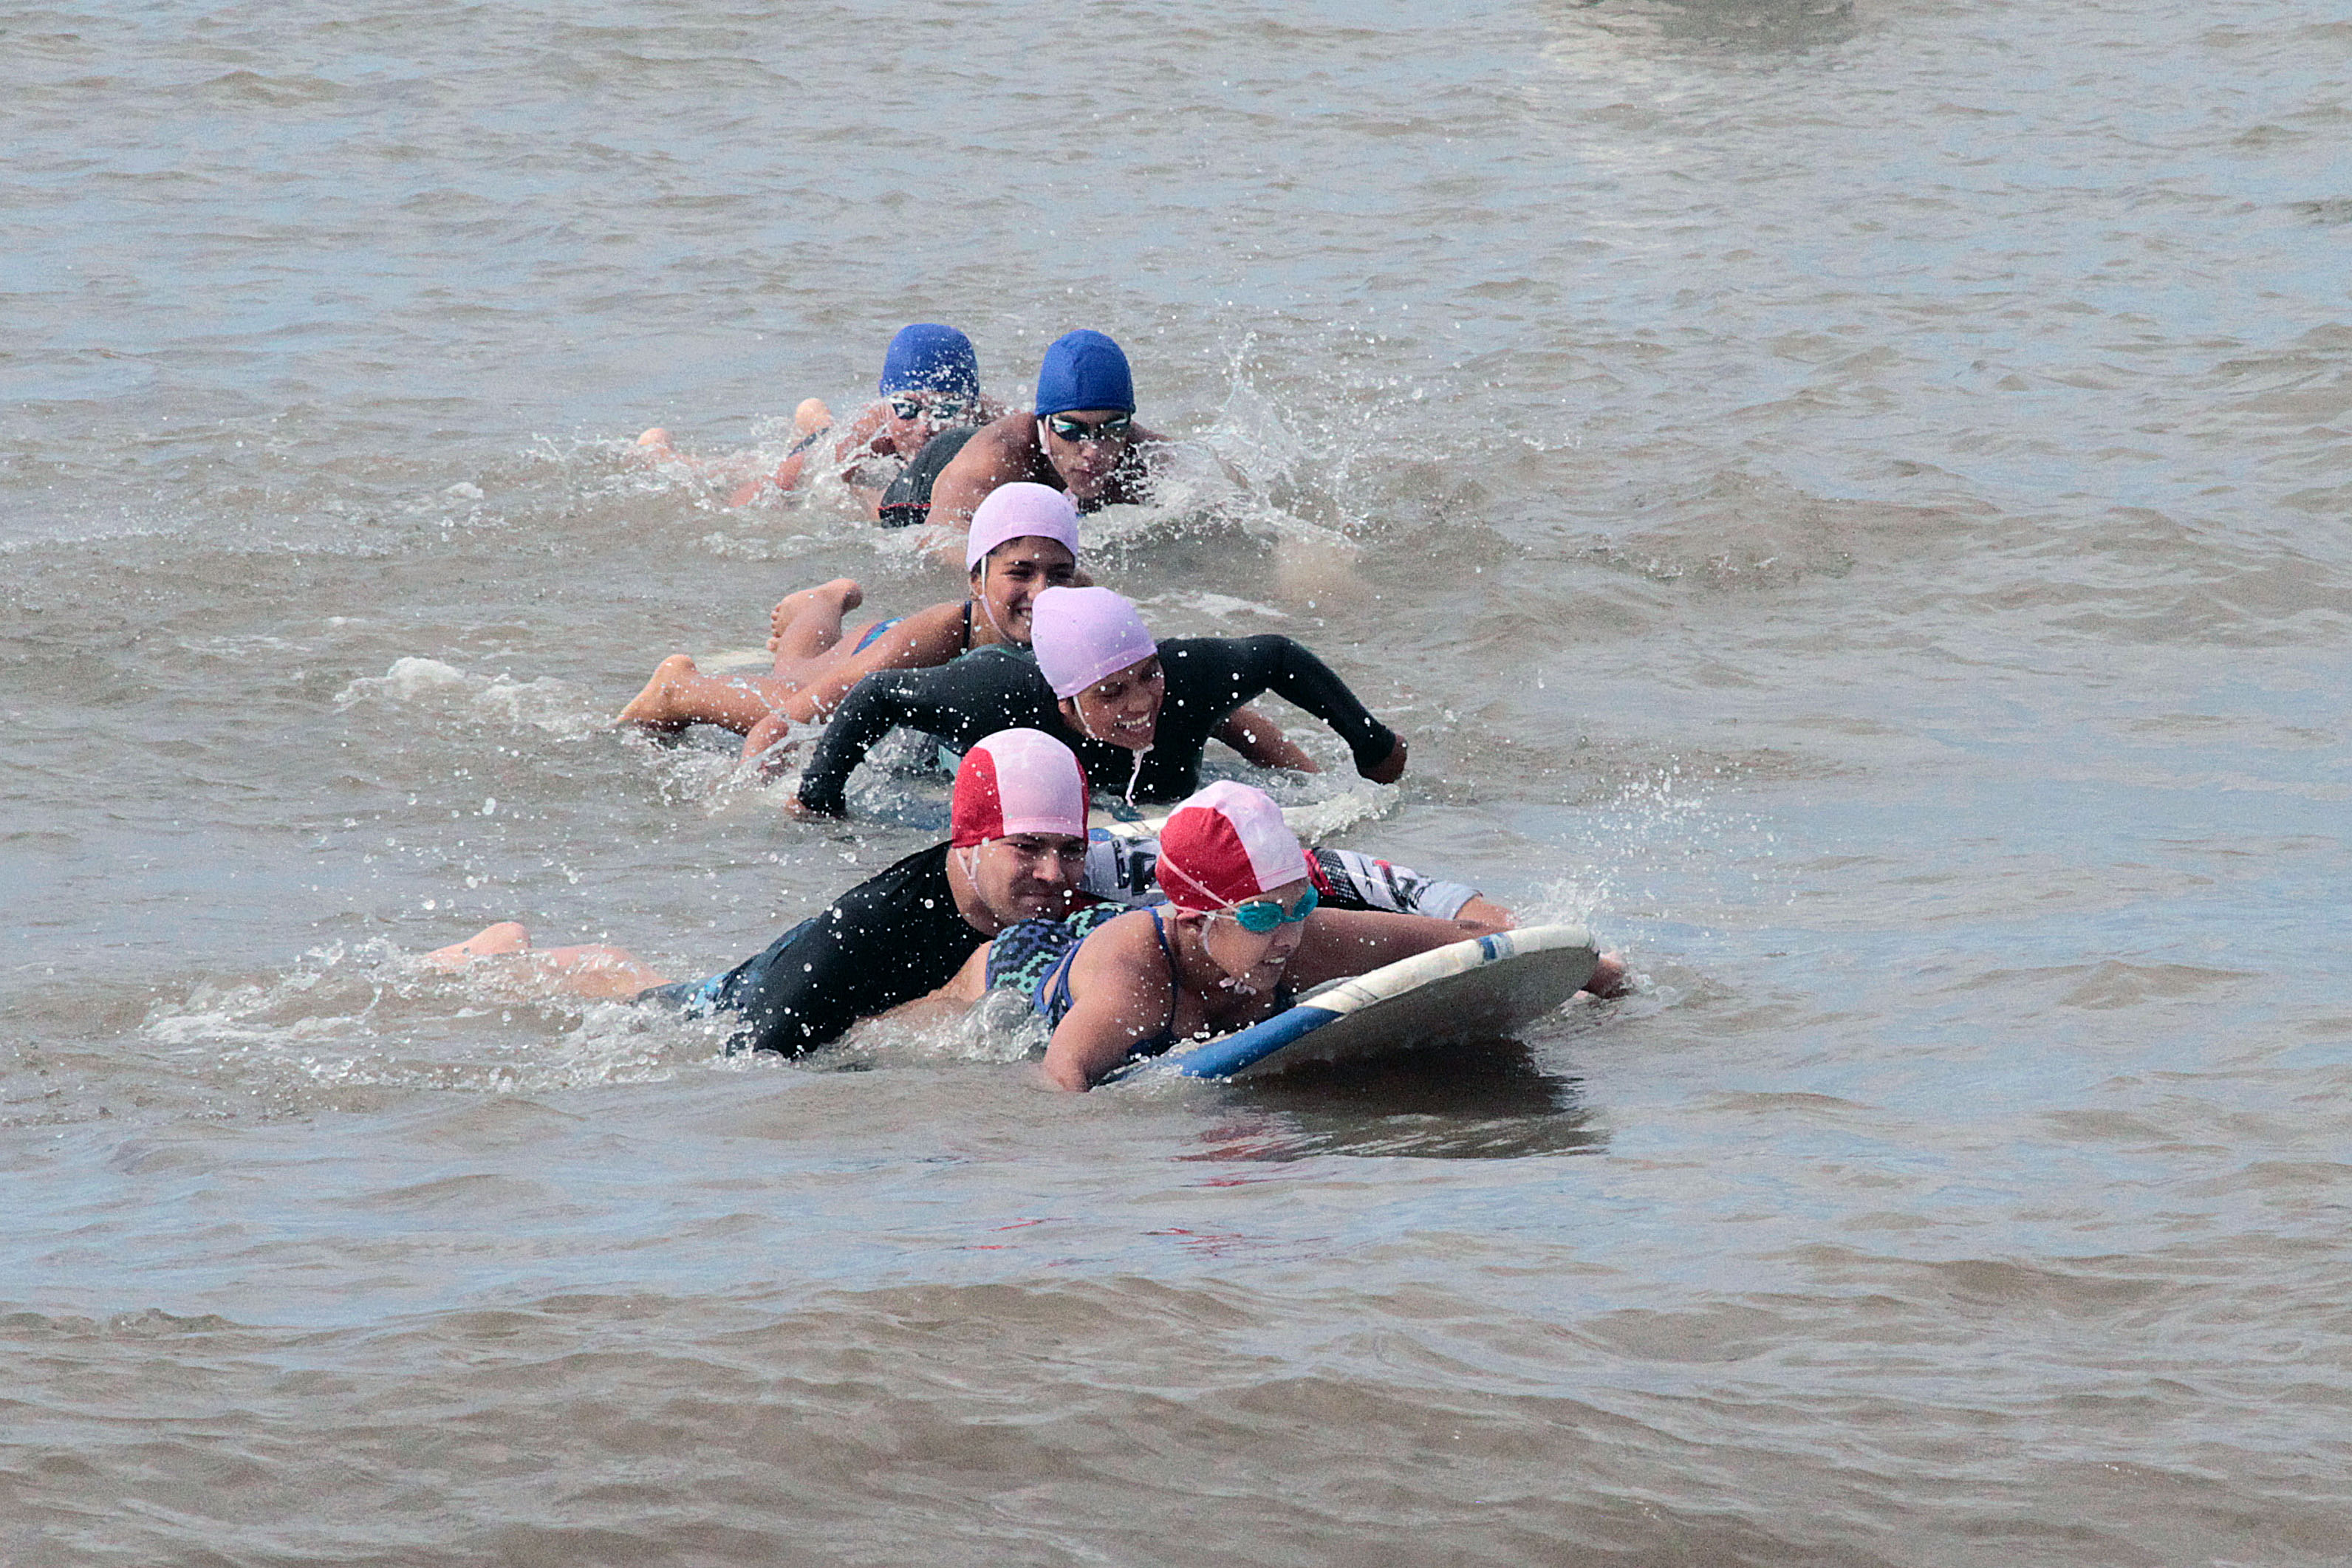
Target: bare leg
599, 973
810, 420
679, 694
806, 626
594, 971
490, 942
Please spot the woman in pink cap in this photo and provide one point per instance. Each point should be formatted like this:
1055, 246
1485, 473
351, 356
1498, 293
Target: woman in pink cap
1241, 932
1023, 541
1136, 711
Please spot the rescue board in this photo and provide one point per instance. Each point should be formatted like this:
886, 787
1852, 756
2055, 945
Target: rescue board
1487, 987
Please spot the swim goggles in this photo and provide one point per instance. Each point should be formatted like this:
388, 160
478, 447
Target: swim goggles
942, 410
1111, 429
1260, 915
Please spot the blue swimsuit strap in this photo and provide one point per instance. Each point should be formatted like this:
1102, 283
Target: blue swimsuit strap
1053, 994
876, 631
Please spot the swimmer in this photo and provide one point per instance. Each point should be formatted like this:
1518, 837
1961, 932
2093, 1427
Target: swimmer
1081, 438
1245, 928
1023, 541
1137, 712
1018, 850
930, 385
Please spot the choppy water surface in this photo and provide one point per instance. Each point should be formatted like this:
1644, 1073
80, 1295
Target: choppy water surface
1850, 498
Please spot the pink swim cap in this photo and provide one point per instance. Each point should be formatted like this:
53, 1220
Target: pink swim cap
1082, 634
1017, 511
1018, 781
1227, 845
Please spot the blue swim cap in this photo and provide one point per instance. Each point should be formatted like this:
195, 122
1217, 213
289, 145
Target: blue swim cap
927, 357
1084, 370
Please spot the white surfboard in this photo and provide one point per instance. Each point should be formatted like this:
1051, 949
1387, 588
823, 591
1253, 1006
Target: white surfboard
1484, 988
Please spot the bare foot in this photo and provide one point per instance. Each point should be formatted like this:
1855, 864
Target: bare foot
812, 416
651, 709
491, 941
829, 601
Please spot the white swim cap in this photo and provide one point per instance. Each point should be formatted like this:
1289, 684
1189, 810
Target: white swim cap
1020, 510
1082, 634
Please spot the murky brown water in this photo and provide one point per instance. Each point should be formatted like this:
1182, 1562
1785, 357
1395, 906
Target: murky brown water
1851, 499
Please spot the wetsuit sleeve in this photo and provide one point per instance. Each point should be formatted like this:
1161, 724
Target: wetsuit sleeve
1360, 882
1276, 664
961, 703
887, 941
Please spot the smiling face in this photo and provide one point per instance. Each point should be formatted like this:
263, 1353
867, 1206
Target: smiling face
1123, 707
1027, 876
1009, 578
1085, 445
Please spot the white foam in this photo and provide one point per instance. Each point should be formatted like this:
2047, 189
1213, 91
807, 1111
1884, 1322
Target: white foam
375, 1015
544, 703
1220, 606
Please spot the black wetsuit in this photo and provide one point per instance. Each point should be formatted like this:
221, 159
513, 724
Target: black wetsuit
893, 938
907, 501
998, 687
897, 935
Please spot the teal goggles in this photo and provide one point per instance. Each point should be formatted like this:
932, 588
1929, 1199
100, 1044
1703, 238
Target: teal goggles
1262, 915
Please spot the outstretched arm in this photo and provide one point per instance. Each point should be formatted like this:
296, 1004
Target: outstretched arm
876, 705
967, 985
979, 694
1341, 943
814, 422
1271, 663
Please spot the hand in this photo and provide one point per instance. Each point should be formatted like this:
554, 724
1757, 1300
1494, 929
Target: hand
1390, 767
768, 749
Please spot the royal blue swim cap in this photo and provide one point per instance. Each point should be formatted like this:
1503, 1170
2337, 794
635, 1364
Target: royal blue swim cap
1084, 370
927, 357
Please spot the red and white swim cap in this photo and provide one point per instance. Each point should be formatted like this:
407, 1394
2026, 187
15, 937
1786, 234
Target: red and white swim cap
1227, 845
1018, 511
1082, 634
1018, 781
